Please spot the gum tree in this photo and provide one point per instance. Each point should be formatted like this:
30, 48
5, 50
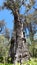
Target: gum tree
18, 49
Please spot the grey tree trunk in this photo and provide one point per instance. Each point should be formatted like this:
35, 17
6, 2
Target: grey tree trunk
19, 50
21, 46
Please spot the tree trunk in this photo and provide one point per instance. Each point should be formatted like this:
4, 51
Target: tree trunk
20, 50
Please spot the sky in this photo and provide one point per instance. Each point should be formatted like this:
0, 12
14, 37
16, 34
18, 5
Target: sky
6, 15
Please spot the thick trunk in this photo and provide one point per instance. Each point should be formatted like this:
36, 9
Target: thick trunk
20, 50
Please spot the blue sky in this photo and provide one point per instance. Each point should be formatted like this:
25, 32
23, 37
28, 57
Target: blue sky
8, 17
5, 15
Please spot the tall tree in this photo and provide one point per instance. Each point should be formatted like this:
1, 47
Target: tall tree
18, 43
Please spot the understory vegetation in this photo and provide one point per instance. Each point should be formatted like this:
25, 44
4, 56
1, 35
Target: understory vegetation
33, 61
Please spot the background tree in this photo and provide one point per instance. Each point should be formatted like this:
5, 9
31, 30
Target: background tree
7, 33
4, 41
2, 24
31, 25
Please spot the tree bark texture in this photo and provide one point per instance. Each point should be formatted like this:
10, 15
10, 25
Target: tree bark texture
19, 49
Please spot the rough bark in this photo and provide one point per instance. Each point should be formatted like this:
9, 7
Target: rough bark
19, 48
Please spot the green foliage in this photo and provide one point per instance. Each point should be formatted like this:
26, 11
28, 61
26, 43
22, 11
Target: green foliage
33, 48
5, 64
4, 48
31, 62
